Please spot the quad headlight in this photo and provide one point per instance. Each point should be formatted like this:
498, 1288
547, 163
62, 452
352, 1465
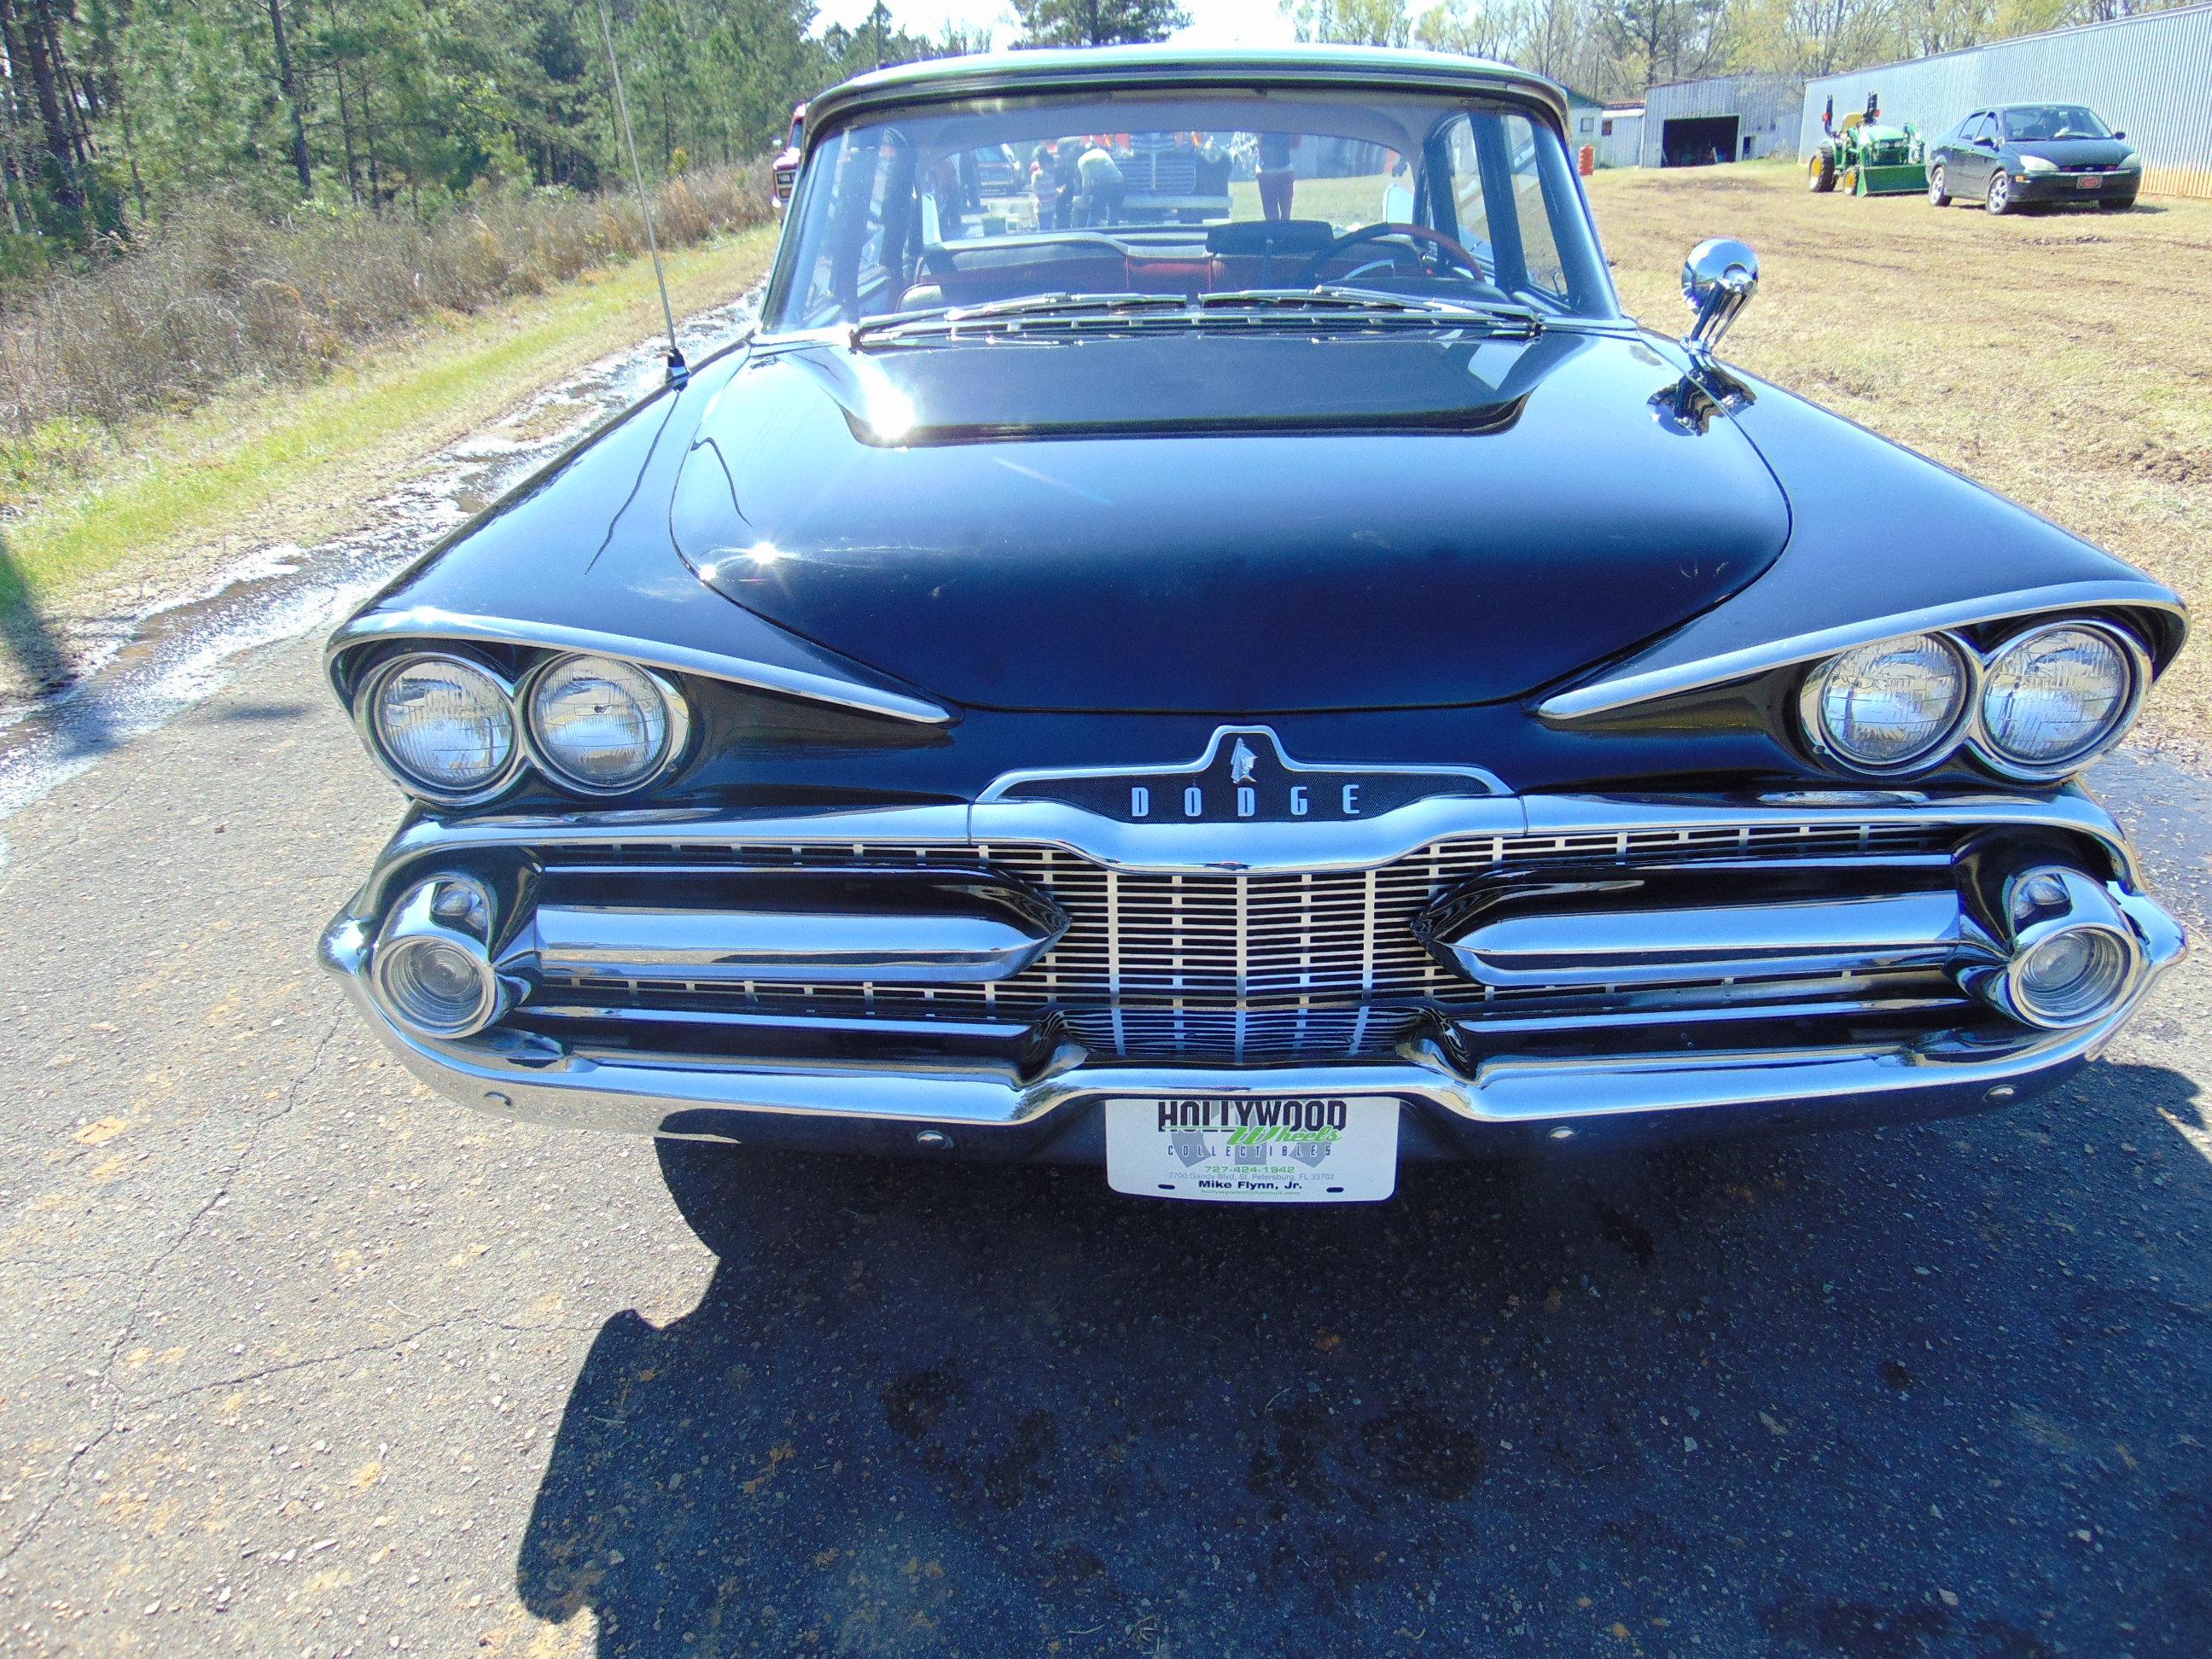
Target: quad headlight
1889, 705
2056, 696
443, 723
602, 725
453, 729
2036, 707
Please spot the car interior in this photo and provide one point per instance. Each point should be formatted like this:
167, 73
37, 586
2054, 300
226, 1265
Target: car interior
1416, 197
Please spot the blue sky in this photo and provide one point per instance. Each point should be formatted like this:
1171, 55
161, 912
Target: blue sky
1212, 22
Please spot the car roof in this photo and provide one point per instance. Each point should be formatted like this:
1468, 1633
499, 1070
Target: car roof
1162, 65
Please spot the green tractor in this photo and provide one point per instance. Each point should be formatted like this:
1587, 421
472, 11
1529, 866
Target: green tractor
1865, 157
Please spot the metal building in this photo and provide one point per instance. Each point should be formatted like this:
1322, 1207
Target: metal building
1724, 118
1584, 113
1620, 136
2150, 76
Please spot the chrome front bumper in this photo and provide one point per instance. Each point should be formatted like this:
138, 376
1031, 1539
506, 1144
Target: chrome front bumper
1018, 1088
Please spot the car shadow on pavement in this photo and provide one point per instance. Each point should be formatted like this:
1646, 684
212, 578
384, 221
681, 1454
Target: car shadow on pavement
1932, 1389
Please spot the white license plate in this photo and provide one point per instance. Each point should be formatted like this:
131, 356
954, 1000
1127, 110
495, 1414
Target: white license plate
2090, 181
1264, 1149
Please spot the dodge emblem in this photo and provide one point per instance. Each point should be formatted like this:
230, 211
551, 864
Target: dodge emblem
1244, 776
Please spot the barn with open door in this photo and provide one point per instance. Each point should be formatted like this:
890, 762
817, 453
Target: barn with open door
1694, 141
1724, 118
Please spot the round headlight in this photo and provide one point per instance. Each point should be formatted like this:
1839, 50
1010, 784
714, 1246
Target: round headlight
2074, 976
2054, 697
443, 723
603, 726
1884, 706
436, 985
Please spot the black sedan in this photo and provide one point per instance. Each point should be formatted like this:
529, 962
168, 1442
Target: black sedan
1242, 702
2012, 155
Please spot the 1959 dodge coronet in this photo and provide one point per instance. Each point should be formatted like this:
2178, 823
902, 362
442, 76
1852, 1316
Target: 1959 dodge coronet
1195, 637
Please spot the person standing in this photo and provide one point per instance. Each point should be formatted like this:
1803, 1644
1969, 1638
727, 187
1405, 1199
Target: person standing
1278, 178
1102, 189
1398, 194
1044, 184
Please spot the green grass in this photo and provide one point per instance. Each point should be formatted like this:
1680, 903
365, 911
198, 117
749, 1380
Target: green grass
1341, 201
290, 463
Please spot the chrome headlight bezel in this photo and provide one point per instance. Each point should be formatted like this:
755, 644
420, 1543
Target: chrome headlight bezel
1813, 722
2037, 164
2135, 661
1968, 734
371, 692
677, 718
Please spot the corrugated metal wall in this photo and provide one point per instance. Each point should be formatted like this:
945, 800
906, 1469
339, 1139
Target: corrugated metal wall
1623, 146
1766, 107
2150, 76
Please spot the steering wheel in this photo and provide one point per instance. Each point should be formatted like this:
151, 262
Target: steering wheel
1419, 234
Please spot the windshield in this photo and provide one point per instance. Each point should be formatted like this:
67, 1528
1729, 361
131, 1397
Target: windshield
2033, 121
1461, 200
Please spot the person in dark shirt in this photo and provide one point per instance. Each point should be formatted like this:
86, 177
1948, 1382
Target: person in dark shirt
1277, 178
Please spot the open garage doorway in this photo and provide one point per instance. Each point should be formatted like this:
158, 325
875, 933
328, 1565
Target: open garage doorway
1697, 141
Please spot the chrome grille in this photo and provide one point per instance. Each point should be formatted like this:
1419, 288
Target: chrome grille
1241, 968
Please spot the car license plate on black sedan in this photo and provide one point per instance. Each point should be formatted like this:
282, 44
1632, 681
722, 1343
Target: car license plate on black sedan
2090, 181
1267, 1149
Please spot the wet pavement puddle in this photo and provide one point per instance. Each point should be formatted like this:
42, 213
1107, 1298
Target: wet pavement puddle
149, 664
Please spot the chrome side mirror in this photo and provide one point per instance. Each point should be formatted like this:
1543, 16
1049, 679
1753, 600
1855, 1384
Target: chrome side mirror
1718, 279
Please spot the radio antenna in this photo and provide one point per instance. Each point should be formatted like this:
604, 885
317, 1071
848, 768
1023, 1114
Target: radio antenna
679, 371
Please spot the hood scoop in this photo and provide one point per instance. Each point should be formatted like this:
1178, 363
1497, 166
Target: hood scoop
1157, 385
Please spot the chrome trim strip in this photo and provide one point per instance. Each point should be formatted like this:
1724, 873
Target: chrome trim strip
1354, 844
432, 625
842, 1102
1622, 691
1003, 74
1000, 936
1849, 933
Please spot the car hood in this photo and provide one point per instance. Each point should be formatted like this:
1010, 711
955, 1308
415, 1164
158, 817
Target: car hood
2076, 152
1190, 522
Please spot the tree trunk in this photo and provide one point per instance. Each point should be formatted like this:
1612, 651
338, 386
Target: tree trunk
345, 133
290, 83
26, 46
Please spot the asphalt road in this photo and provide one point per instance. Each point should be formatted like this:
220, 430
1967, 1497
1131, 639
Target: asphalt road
300, 1359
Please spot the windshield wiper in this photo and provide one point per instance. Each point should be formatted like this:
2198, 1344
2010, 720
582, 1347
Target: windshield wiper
1331, 305
928, 318
1333, 297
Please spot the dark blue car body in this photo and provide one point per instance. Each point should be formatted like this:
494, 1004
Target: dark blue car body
1194, 646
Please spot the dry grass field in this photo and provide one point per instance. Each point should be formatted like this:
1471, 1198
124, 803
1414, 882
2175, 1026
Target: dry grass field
2063, 359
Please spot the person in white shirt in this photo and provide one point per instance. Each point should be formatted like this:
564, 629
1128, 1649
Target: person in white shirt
1398, 194
1102, 190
